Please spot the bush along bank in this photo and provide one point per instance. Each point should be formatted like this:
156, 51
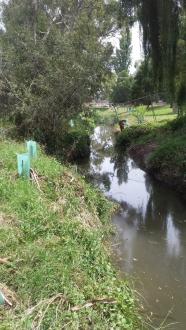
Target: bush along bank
55, 268
69, 143
160, 150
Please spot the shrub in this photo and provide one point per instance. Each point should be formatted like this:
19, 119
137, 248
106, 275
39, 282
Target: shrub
76, 144
132, 133
178, 123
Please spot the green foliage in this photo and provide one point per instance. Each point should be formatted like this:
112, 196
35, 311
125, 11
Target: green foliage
122, 58
104, 116
76, 144
139, 113
54, 241
131, 134
180, 91
107, 86
53, 61
170, 156
167, 159
122, 90
153, 132
160, 21
179, 124
143, 85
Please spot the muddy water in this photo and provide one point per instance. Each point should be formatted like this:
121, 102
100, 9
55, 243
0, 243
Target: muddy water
151, 229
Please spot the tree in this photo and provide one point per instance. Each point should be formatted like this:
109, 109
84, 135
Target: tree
181, 69
160, 21
53, 60
122, 90
122, 58
143, 84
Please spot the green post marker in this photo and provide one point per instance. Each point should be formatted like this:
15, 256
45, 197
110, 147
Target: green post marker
32, 148
2, 298
23, 164
71, 123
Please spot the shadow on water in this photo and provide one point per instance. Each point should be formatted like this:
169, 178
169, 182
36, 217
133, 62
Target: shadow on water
151, 228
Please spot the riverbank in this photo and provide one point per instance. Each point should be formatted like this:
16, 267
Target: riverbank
150, 226
160, 150
55, 267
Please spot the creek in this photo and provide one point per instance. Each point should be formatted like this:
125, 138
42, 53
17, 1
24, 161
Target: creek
150, 244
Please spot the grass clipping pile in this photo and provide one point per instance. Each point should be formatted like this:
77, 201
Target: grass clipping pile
55, 268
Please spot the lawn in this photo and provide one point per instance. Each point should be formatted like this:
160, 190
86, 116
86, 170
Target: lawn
159, 114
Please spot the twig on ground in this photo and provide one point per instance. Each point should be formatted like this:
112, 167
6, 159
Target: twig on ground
42, 307
93, 302
4, 261
35, 178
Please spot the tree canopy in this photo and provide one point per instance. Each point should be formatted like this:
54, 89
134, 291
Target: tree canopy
55, 56
160, 22
54, 59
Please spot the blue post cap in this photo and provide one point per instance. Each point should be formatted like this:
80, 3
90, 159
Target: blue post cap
32, 148
23, 164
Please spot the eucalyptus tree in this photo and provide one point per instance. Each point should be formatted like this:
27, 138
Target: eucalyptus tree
54, 58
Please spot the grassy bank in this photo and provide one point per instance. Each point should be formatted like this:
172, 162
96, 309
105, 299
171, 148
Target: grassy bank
161, 149
55, 267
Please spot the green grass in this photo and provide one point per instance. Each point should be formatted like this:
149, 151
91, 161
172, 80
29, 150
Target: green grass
55, 242
160, 111
162, 115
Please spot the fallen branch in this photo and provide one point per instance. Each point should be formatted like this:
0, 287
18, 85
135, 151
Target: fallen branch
42, 307
93, 302
45, 302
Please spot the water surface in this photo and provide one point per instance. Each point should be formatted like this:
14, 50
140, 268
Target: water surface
151, 229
